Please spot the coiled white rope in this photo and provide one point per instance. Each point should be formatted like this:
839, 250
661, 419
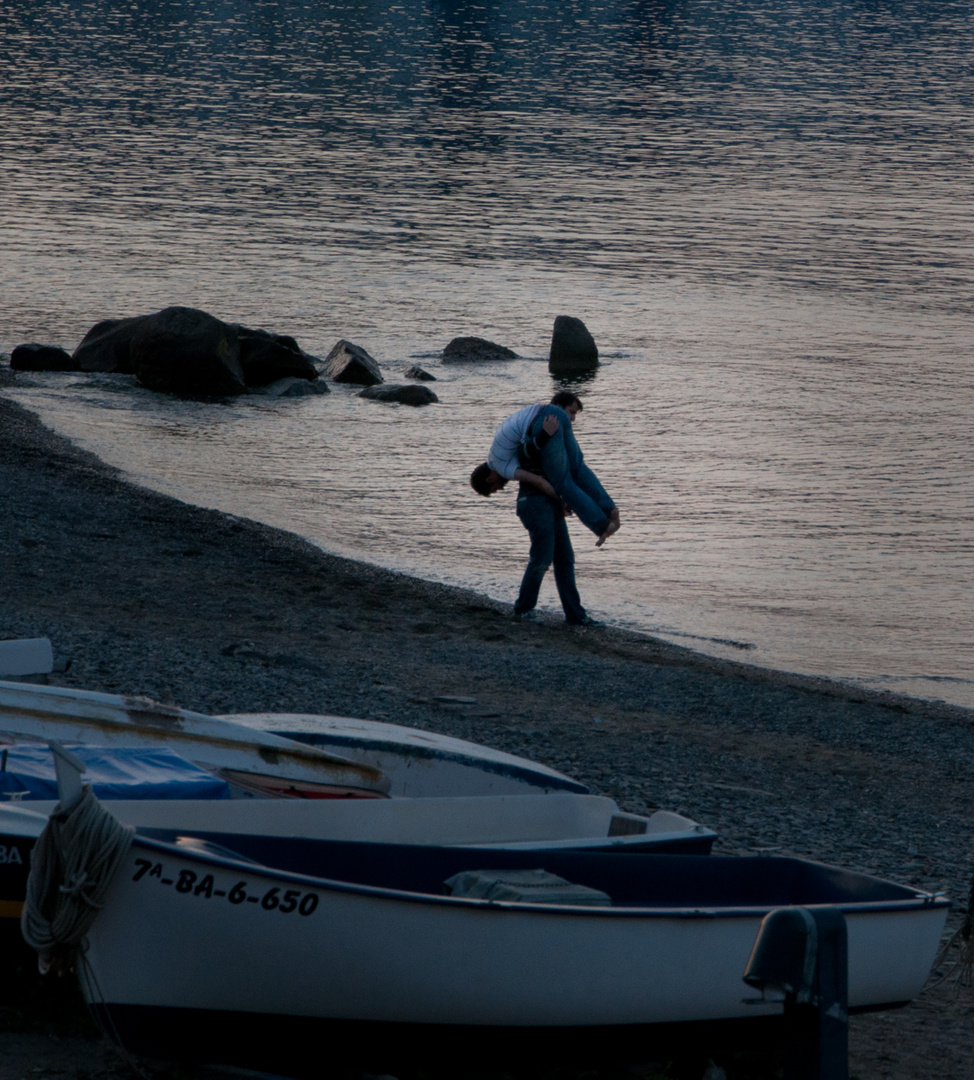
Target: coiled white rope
72, 866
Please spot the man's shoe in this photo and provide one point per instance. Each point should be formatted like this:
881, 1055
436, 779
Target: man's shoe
525, 616
586, 620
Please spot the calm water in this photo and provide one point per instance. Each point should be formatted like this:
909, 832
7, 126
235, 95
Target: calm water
761, 211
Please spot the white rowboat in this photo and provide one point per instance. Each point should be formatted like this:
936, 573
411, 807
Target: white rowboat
419, 764
259, 954
250, 759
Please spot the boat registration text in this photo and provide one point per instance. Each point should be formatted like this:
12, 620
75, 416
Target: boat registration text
204, 886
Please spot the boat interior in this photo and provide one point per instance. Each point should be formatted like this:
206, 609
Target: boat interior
695, 882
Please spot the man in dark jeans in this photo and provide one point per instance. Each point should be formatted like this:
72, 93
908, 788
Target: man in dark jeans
552, 450
550, 546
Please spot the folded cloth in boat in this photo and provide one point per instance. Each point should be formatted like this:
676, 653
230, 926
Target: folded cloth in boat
523, 886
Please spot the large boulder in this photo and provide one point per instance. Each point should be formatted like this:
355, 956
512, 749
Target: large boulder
573, 349
266, 357
35, 357
348, 363
463, 350
182, 350
404, 394
108, 346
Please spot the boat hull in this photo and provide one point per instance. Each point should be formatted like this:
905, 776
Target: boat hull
528, 822
199, 931
292, 1045
419, 764
113, 720
19, 830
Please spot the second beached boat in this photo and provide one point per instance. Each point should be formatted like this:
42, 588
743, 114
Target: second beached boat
418, 763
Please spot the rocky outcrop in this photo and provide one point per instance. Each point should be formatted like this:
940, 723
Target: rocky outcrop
404, 394
108, 346
182, 350
416, 372
267, 357
35, 357
464, 350
348, 363
573, 349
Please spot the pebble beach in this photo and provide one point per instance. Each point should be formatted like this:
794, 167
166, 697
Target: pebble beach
144, 595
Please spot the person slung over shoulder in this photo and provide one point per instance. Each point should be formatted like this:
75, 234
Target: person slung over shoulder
542, 435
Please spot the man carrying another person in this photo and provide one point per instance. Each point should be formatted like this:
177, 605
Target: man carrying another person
540, 440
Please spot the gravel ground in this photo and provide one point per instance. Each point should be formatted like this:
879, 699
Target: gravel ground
141, 594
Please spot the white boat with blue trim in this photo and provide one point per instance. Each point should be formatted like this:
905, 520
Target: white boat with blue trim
418, 763
262, 952
251, 760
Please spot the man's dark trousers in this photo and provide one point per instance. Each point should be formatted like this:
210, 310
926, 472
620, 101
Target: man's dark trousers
550, 544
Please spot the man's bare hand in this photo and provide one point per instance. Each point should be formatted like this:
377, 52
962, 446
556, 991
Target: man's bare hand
547, 488
550, 424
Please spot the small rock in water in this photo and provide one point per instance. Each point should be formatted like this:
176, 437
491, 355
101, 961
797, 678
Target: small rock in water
291, 386
475, 350
350, 363
402, 394
34, 357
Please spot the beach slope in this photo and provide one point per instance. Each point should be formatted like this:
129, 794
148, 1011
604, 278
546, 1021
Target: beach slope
141, 594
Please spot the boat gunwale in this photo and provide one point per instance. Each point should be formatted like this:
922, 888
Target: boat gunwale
920, 901
539, 775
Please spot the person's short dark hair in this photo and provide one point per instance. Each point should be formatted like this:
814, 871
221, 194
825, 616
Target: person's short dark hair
564, 398
478, 479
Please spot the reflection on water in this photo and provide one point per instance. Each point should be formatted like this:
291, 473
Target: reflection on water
760, 209
268, 145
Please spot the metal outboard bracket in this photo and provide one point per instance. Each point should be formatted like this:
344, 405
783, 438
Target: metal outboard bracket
68, 769
802, 954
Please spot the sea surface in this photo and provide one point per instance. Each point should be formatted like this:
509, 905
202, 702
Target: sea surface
761, 210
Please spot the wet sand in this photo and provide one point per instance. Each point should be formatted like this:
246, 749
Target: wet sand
144, 595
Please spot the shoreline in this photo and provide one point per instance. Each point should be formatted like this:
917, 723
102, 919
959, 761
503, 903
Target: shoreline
864, 676
142, 594
673, 652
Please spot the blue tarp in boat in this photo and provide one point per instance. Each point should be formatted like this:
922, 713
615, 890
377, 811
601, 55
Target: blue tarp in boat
27, 772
